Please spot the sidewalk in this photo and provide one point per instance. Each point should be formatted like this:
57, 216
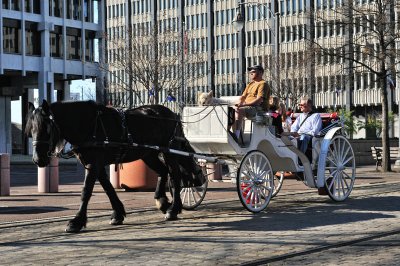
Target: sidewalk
25, 203
21, 159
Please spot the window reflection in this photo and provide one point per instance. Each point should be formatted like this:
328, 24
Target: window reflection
33, 41
11, 36
56, 42
73, 44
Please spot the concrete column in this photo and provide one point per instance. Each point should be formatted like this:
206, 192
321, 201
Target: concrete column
67, 91
48, 177
114, 176
4, 174
5, 125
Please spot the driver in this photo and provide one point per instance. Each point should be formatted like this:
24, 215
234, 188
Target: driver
307, 125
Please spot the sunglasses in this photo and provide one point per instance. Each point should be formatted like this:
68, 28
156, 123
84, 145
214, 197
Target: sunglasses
302, 105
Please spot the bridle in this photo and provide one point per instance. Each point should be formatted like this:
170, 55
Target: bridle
54, 134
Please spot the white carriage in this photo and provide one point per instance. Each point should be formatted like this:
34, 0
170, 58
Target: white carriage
262, 154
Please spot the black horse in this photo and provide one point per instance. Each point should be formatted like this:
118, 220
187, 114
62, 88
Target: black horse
102, 135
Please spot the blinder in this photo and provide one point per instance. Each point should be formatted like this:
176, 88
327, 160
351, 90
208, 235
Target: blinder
53, 132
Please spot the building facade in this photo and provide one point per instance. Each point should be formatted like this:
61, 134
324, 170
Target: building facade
45, 45
275, 35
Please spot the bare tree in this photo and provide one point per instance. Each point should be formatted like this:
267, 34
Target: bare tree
150, 58
367, 45
290, 71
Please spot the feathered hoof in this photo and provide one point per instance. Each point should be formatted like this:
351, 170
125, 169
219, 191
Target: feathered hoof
171, 217
115, 221
163, 205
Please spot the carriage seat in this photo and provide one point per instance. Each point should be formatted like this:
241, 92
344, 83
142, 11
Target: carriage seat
329, 120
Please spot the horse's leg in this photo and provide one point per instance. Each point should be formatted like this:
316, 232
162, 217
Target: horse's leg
160, 195
175, 184
119, 213
76, 224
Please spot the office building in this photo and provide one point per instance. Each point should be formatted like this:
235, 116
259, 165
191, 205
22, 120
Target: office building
45, 45
274, 35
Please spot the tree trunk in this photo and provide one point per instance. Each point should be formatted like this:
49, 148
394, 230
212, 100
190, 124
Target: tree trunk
386, 167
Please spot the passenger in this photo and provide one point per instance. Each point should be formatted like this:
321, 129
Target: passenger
276, 116
307, 125
286, 118
254, 97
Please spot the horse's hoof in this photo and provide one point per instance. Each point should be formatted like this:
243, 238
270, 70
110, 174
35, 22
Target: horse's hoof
115, 221
171, 217
73, 228
76, 224
163, 205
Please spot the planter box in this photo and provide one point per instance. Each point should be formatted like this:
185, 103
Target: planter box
137, 176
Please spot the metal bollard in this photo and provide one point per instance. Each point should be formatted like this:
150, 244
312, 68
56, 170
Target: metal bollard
114, 176
4, 174
214, 171
48, 177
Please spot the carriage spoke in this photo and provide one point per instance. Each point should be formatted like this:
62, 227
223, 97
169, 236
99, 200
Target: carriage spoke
331, 160
344, 183
331, 174
267, 188
346, 153
334, 177
350, 158
184, 191
351, 178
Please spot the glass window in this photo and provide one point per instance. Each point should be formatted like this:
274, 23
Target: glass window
73, 44
89, 46
56, 42
36, 7
300, 6
76, 10
16, 5
32, 39
6, 4
55, 8
11, 36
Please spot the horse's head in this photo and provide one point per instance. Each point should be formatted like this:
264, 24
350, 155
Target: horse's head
44, 132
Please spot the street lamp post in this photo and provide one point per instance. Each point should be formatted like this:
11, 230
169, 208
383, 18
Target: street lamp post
238, 24
396, 166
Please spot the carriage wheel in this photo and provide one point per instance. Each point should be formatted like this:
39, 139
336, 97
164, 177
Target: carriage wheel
278, 181
340, 169
255, 181
192, 197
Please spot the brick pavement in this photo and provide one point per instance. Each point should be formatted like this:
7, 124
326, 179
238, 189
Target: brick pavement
25, 203
220, 234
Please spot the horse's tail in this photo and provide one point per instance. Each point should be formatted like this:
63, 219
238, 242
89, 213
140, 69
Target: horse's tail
192, 174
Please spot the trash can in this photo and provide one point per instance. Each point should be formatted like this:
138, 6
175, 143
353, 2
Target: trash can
137, 176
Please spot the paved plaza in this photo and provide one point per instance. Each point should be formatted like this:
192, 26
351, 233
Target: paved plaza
299, 227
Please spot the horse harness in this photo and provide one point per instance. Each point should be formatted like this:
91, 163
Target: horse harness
126, 139
54, 132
